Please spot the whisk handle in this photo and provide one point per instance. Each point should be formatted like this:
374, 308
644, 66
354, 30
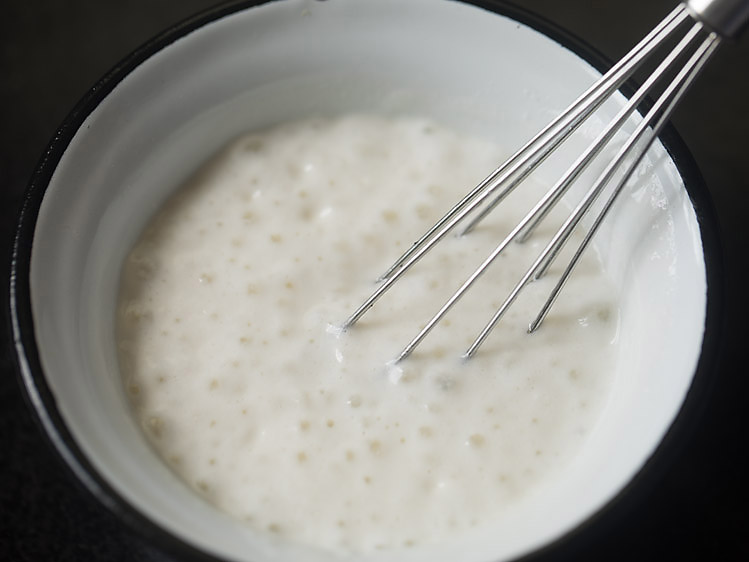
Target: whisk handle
729, 18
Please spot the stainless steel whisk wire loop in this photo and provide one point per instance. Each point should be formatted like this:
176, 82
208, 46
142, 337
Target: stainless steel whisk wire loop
727, 17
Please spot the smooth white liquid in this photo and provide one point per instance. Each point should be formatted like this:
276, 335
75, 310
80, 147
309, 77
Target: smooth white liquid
240, 385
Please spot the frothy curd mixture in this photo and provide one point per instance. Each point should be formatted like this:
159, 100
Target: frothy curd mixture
226, 350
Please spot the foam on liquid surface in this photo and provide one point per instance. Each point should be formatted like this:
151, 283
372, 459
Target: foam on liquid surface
241, 386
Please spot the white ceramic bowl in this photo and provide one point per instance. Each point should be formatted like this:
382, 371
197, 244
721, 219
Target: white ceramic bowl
150, 123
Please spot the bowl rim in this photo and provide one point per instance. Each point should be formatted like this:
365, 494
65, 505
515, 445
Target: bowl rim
41, 400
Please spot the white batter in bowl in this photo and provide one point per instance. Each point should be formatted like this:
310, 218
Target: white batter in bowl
230, 352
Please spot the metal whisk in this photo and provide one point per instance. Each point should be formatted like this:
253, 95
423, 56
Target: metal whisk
711, 20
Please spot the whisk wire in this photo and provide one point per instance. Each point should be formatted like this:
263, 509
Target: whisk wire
500, 183
671, 97
526, 159
539, 211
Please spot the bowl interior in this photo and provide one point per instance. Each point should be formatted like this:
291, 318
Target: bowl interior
461, 65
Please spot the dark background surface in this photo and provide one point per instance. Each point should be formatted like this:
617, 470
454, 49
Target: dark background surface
695, 506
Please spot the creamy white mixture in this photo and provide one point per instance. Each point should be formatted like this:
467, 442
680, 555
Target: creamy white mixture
240, 385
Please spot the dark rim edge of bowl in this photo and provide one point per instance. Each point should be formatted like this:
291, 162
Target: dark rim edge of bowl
43, 403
